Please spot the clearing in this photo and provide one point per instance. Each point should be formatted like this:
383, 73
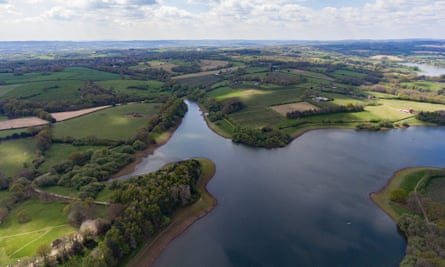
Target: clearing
300, 106
61, 116
21, 123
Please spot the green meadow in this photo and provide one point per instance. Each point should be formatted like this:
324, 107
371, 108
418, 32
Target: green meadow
117, 123
16, 154
18, 240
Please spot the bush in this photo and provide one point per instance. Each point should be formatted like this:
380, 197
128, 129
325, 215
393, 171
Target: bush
139, 145
23, 217
398, 195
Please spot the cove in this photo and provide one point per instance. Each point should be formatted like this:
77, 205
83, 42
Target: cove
306, 204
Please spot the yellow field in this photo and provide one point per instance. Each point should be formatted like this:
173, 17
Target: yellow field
300, 106
212, 64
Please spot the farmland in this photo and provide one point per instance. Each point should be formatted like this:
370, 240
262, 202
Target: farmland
118, 123
135, 96
16, 155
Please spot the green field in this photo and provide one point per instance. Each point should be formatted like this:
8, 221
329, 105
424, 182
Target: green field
16, 154
73, 73
125, 87
405, 179
21, 240
116, 123
47, 90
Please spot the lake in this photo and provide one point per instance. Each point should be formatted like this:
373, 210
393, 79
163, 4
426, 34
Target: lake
306, 204
427, 70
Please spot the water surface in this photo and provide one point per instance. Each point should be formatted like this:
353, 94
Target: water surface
427, 70
303, 205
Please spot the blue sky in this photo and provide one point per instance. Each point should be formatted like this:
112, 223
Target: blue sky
221, 19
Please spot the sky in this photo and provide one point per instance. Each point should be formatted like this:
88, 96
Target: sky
82, 20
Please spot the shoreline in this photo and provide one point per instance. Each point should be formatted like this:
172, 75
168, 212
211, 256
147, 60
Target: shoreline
181, 220
139, 156
381, 198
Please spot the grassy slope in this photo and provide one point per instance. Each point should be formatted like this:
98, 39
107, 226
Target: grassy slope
111, 123
121, 87
20, 240
14, 154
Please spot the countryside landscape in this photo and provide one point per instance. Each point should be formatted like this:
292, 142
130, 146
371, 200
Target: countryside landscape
222, 133
71, 126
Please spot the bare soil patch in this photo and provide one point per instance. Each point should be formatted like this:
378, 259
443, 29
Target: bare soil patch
22, 123
388, 57
212, 64
61, 116
300, 106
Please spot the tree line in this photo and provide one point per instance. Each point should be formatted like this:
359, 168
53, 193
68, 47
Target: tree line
326, 109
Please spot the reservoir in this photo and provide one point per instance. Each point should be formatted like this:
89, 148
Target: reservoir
427, 70
306, 204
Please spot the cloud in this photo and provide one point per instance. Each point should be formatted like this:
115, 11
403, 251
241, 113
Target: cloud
229, 19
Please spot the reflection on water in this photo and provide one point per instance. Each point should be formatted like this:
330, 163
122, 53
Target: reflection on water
305, 204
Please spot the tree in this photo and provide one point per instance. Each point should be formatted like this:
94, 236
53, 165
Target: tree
44, 251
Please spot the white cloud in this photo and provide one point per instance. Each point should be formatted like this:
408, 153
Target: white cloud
228, 19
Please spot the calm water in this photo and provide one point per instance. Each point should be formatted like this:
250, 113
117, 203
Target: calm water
427, 70
303, 205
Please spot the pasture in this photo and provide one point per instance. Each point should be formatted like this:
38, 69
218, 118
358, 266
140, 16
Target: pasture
117, 123
72, 73
392, 109
18, 240
132, 87
16, 154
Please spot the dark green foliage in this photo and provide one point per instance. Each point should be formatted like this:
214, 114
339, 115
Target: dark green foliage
218, 109
149, 201
437, 117
90, 167
266, 137
327, 109
399, 195
44, 139
4, 181
169, 115
46, 180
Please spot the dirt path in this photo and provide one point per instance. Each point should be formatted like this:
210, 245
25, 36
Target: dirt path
418, 200
66, 198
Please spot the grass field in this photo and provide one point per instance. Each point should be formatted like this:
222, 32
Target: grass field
73, 73
47, 90
300, 106
16, 154
118, 123
128, 87
20, 240
405, 179
436, 189
391, 109
155, 64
